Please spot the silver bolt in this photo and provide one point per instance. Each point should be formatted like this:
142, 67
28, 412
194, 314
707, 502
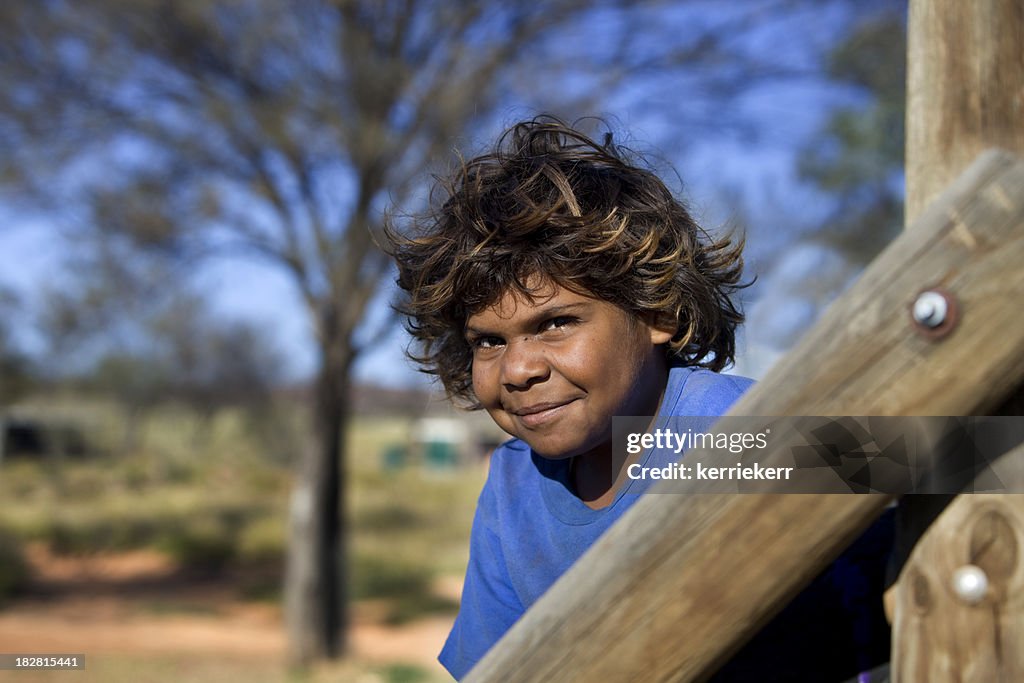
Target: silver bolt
930, 309
970, 584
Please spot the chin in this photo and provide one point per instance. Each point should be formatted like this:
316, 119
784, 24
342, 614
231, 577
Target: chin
554, 451
552, 456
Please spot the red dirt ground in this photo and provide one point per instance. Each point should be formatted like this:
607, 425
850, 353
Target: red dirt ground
138, 603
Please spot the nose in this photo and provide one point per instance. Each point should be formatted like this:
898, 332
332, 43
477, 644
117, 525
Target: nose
523, 364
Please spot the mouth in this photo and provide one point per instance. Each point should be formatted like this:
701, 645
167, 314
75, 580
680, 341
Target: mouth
539, 414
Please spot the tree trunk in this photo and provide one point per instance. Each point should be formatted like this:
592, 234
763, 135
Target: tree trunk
316, 575
3, 436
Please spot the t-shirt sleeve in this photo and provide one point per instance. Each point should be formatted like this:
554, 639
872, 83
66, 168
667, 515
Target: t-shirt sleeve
489, 604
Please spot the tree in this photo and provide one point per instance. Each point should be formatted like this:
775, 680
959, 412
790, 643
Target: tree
15, 368
181, 353
856, 159
16, 372
859, 156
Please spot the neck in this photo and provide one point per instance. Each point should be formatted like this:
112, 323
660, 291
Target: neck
597, 479
598, 475
594, 477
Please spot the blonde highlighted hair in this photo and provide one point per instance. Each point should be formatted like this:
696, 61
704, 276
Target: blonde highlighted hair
550, 201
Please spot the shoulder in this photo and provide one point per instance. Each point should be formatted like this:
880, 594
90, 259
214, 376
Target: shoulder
698, 391
511, 458
511, 468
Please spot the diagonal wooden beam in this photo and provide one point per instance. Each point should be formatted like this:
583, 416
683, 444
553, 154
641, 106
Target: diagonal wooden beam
681, 582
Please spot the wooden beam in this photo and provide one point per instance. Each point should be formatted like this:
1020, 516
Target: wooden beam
965, 92
680, 582
941, 634
965, 89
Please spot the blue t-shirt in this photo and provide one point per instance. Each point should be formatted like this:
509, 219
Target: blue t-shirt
530, 528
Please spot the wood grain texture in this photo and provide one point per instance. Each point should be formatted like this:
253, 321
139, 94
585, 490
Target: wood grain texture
965, 89
938, 635
680, 582
965, 92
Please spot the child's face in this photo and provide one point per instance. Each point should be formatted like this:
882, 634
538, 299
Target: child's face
553, 371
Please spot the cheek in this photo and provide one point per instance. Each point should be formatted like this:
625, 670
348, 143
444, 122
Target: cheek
621, 362
483, 383
600, 360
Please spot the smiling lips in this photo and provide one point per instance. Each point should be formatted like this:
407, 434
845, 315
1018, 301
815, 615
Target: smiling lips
538, 414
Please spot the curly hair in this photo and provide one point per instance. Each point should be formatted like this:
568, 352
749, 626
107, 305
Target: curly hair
550, 201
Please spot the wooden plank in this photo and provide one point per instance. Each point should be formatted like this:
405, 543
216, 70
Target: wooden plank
965, 92
682, 581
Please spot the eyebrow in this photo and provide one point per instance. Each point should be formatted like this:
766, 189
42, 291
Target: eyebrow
537, 318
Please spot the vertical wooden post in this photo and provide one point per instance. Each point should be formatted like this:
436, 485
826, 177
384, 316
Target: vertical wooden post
965, 93
965, 89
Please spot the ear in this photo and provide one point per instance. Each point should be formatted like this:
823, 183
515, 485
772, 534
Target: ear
660, 328
661, 335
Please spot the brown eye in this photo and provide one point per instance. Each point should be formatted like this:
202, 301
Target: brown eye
559, 322
486, 342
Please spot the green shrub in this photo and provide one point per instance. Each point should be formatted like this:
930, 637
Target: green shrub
83, 484
412, 607
90, 533
262, 586
204, 544
14, 571
393, 516
262, 540
404, 673
376, 577
406, 585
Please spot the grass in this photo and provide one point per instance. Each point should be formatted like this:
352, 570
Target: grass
14, 573
219, 502
214, 500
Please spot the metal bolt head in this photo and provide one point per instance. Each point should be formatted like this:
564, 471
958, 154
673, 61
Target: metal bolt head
970, 584
930, 309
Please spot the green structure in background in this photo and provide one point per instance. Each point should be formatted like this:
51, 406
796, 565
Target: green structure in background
441, 441
440, 455
395, 457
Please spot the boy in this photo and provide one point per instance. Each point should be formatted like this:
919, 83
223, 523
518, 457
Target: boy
557, 286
